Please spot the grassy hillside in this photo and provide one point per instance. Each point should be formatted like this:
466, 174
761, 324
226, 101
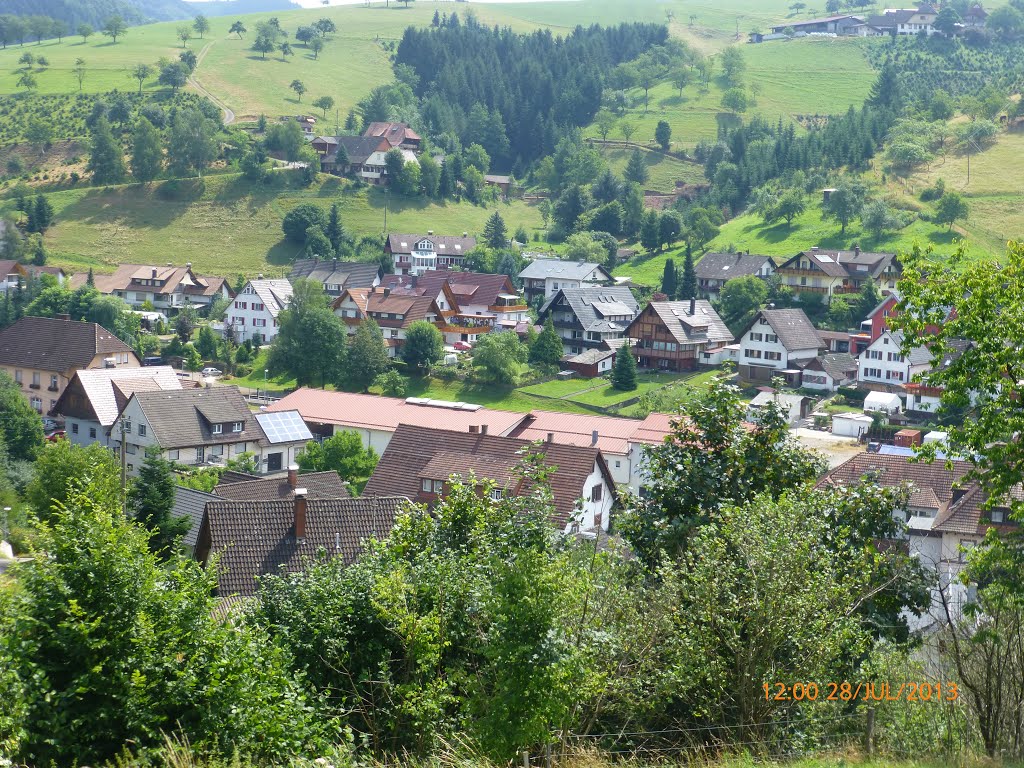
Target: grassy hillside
663, 170
995, 192
798, 77
748, 232
226, 225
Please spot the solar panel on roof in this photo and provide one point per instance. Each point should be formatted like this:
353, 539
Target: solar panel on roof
284, 426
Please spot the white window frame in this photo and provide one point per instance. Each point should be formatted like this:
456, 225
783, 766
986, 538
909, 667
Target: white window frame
217, 429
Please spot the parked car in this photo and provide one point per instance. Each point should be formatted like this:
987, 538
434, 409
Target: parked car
212, 371
49, 425
462, 346
152, 361
53, 437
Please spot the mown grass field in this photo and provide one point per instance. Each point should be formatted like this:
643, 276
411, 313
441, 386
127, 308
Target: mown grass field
599, 392
995, 192
226, 225
663, 170
796, 77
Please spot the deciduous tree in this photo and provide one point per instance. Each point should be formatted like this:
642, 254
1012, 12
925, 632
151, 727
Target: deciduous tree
343, 453
497, 358
367, 356
423, 345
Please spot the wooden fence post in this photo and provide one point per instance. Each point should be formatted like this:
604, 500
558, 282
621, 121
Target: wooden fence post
526, 759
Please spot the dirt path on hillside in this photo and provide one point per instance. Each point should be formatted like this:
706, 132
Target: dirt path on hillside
229, 115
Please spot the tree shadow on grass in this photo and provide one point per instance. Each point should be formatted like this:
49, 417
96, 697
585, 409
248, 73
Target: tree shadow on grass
135, 206
283, 252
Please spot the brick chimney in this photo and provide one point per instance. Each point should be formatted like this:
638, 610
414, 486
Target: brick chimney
300, 514
483, 429
593, 437
293, 476
693, 306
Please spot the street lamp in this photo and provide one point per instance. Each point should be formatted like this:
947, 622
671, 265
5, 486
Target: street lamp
266, 394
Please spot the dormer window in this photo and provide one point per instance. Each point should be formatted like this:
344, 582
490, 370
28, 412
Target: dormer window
236, 426
432, 486
217, 429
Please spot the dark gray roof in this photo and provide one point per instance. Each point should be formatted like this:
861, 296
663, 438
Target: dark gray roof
346, 274
358, 148
183, 418
793, 328
539, 269
191, 503
839, 366
701, 326
318, 485
256, 538
726, 266
55, 345
593, 305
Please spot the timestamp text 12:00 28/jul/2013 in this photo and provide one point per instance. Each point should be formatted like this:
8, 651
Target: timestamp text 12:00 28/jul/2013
847, 691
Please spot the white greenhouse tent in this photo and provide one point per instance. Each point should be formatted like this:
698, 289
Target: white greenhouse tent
886, 402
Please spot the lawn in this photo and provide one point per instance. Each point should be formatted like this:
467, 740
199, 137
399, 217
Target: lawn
499, 398
790, 78
225, 225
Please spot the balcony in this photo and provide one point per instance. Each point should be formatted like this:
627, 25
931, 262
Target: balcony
35, 386
52, 389
467, 323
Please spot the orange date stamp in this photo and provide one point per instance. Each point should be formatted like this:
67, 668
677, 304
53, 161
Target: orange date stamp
847, 691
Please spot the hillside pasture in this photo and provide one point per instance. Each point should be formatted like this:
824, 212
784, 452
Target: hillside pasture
791, 79
227, 225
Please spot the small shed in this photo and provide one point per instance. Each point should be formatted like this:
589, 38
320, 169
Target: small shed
851, 424
883, 402
591, 362
908, 437
795, 407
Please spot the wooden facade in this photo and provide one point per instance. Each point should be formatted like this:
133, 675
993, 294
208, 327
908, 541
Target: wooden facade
656, 347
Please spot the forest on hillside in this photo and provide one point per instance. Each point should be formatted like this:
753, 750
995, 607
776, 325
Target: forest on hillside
516, 95
96, 12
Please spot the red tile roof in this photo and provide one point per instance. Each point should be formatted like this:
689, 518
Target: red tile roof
357, 411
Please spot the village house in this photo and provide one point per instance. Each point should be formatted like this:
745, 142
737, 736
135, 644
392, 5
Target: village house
832, 273
14, 273
416, 254
545, 277
397, 135
503, 183
471, 303
92, 399
714, 270
393, 312
165, 288
945, 515
255, 313
350, 155
206, 426
43, 354
775, 343
420, 464
976, 16
900, 21
877, 321
587, 316
375, 420
250, 539
672, 335
829, 372
793, 407
335, 275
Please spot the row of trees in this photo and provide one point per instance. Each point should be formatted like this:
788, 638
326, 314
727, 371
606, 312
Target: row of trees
18, 29
188, 148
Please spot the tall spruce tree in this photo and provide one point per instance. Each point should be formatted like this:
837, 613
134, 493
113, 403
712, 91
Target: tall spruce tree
547, 348
495, 232
668, 279
106, 161
688, 283
152, 500
624, 369
147, 152
636, 168
886, 92
335, 231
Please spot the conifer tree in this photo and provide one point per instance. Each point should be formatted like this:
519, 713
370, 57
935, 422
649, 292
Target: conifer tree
547, 349
688, 283
90, 279
624, 370
106, 162
668, 279
152, 500
495, 232
636, 169
335, 231
147, 152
